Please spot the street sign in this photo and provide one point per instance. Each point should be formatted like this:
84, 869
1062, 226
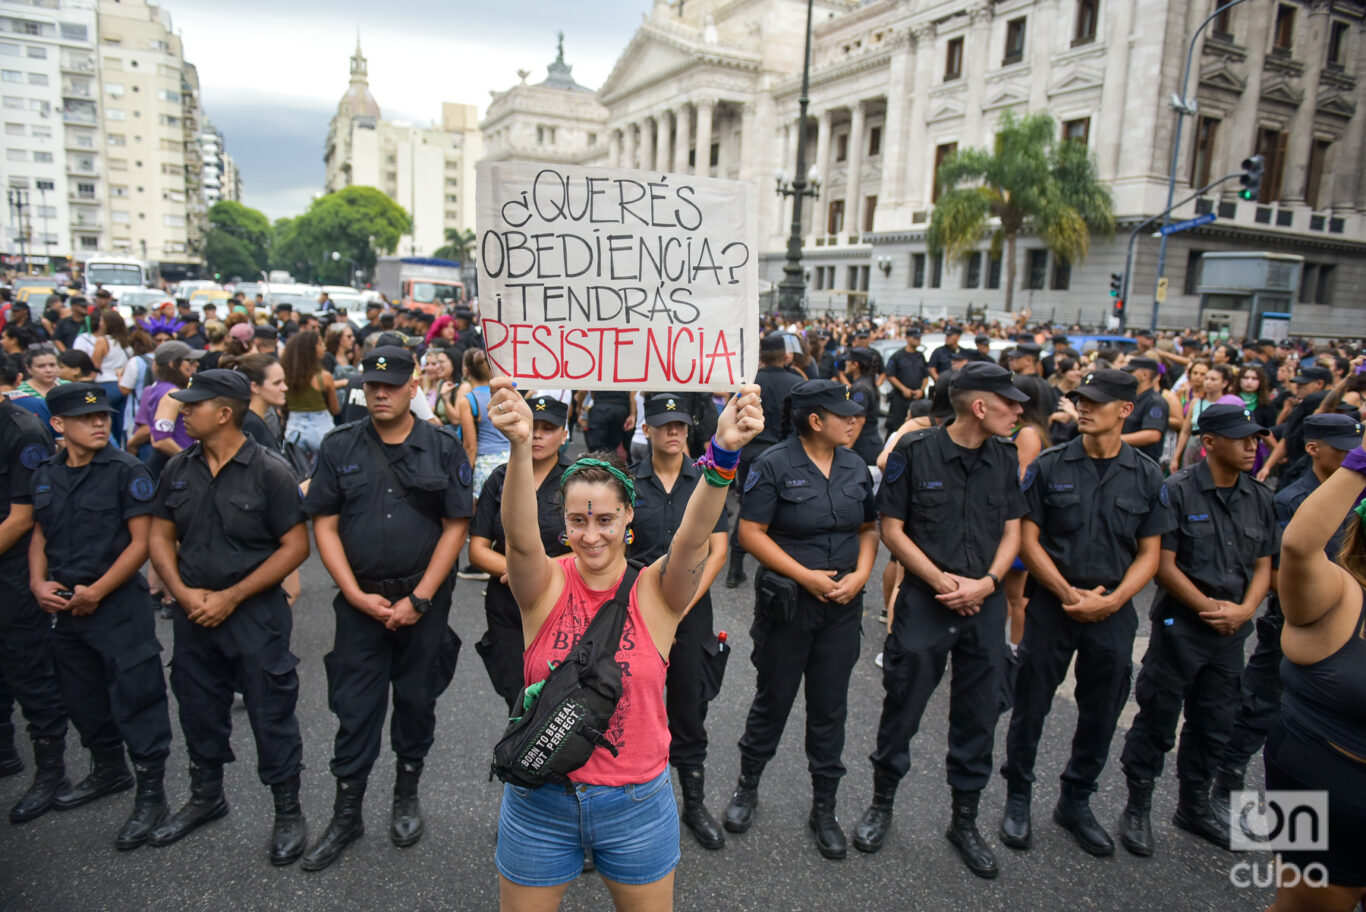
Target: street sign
1188, 224
1162, 290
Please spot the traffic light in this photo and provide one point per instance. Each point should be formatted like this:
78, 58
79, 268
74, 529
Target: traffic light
1116, 284
1252, 177
1119, 309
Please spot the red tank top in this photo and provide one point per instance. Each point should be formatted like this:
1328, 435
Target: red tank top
639, 728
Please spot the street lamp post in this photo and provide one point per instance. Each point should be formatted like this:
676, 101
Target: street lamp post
1182, 106
792, 289
18, 202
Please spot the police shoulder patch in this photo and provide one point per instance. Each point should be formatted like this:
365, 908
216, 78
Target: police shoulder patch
141, 488
32, 456
752, 478
858, 396
896, 467
1031, 473
1155, 412
1164, 496
466, 474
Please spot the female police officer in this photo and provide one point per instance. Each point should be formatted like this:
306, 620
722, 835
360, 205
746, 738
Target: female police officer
807, 517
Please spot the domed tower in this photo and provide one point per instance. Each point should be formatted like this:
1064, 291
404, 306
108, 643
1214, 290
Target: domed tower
358, 102
357, 110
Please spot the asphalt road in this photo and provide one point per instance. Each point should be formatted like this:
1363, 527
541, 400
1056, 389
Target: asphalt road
67, 860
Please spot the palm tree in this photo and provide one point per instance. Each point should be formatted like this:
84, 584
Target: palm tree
459, 245
1031, 181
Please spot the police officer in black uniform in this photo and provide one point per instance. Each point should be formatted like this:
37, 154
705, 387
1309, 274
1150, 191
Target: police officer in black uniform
233, 508
1147, 423
92, 506
25, 631
941, 358
908, 373
390, 500
1091, 541
1328, 439
1214, 571
503, 642
610, 421
775, 381
808, 518
664, 482
861, 366
950, 505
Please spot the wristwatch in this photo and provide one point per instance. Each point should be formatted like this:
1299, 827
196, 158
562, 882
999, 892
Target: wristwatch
995, 579
420, 605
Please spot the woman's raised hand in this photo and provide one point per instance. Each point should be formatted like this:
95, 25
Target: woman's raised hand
509, 412
741, 420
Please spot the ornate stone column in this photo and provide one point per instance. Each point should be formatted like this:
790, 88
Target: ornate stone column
704, 115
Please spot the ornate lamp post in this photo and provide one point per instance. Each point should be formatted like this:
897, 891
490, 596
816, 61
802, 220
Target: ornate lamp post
792, 289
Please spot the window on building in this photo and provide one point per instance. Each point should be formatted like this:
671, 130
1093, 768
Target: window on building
40, 132
1078, 130
1036, 269
120, 218
115, 114
592, 139
1283, 35
16, 155
117, 139
45, 158
972, 269
1015, 38
168, 95
869, 211
169, 121
9, 49
1337, 44
953, 60
1192, 281
14, 103
1309, 282
452, 216
90, 241
1272, 147
851, 278
40, 105
452, 182
452, 198
11, 75
1313, 181
74, 32
818, 276
35, 52
937, 270
1223, 23
1062, 274
85, 191
994, 272
15, 129
834, 222
37, 79
941, 153
1084, 32
118, 190
874, 141
917, 270
714, 159
1325, 285
113, 89
842, 146
1202, 158
173, 221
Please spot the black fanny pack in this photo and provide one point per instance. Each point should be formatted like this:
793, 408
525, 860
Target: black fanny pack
776, 594
565, 716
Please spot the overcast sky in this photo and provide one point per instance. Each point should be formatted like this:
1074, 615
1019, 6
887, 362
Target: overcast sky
271, 72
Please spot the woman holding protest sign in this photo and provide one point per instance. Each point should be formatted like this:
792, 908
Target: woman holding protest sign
543, 832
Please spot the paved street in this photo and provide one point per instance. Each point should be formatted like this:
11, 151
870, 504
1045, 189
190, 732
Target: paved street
67, 860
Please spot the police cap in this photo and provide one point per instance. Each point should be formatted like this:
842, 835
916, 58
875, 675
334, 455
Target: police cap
988, 377
391, 365
1143, 364
1229, 421
215, 384
826, 394
78, 399
1341, 432
662, 408
1311, 373
549, 410
1108, 386
1028, 349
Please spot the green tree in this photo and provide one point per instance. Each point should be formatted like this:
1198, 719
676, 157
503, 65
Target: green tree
237, 240
1031, 181
357, 222
286, 251
459, 245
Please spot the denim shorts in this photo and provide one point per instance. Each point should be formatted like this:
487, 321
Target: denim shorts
632, 830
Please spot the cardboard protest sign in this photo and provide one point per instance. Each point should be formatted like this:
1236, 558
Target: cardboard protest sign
597, 278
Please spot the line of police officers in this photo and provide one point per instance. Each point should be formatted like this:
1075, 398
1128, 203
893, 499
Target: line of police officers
1093, 521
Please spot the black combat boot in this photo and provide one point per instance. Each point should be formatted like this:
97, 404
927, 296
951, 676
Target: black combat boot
290, 835
206, 804
49, 778
962, 832
346, 826
735, 575
149, 805
740, 813
10, 764
1193, 814
1073, 814
109, 773
695, 814
823, 822
1016, 830
405, 824
1226, 782
1136, 826
871, 830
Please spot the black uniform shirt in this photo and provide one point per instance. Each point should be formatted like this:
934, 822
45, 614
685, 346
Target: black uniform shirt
84, 511
231, 523
774, 385
24, 445
658, 512
813, 518
384, 534
488, 513
908, 367
255, 427
953, 512
941, 359
1217, 542
1150, 414
868, 444
1090, 527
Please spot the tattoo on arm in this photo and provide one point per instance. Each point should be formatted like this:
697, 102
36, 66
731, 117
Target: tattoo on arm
664, 564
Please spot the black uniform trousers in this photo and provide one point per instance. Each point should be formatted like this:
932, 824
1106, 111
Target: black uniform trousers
26, 656
6, 712
248, 653
748, 453
924, 635
898, 407
688, 687
367, 659
109, 669
1260, 705
821, 645
1104, 652
605, 429
1188, 665
503, 642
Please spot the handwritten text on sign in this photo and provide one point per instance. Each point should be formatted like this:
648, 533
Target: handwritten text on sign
593, 278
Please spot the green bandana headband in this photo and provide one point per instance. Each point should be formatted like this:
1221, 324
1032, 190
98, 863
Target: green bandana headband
1360, 511
588, 462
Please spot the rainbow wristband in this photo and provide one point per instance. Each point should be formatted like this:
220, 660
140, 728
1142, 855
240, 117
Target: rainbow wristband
718, 478
722, 458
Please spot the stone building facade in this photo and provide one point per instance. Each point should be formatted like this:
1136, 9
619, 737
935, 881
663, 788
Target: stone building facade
555, 120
